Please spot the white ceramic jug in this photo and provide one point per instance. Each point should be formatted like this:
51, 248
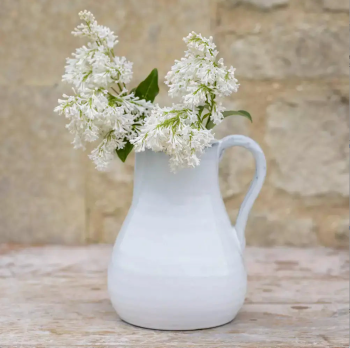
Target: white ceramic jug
177, 263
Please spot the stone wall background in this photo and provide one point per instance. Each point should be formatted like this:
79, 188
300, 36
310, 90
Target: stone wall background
292, 62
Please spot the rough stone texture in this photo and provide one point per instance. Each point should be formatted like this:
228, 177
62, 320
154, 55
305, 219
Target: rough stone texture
309, 166
340, 227
336, 5
261, 4
269, 230
305, 50
37, 36
41, 177
152, 30
297, 298
108, 200
292, 63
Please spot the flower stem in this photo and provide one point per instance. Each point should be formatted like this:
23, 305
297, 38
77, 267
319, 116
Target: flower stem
114, 90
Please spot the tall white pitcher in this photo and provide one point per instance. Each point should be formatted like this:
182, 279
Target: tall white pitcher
177, 263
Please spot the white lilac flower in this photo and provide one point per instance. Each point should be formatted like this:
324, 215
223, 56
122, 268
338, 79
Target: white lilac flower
199, 68
95, 65
103, 154
92, 66
216, 113
94, 32
96, 111
100, 115
181, 131
103, 110
176, 131
199, 78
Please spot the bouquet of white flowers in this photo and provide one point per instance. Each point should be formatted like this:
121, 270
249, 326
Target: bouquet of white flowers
103, 109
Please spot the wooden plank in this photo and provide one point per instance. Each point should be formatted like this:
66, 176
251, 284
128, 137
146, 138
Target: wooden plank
264, 326
297, 263
56, 296
267, 291
260, 262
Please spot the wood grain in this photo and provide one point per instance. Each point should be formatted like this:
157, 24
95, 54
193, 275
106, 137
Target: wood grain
55, 296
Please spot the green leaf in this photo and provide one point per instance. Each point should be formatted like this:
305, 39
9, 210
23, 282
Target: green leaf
243, 113
210, 124
124, 152
148, 88
238, 113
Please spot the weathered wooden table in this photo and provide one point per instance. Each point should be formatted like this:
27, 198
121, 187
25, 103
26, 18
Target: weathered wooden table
55, 296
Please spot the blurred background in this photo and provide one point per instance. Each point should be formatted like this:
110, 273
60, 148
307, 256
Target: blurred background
292, 63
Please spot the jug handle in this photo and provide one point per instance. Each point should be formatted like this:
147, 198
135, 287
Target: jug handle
256, 184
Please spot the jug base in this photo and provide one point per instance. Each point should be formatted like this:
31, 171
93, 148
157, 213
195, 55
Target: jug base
177, 326
176, 303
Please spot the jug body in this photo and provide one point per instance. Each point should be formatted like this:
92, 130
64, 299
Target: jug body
177, 262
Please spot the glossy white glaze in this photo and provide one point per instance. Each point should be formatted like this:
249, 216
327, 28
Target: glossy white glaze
177, 262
